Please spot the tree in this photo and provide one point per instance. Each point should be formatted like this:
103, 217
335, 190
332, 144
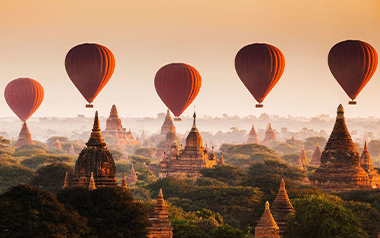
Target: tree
226, 231
322, 216
285, 148
36, 161
111, 211
171, 187
374, 148
27, 211
52, 177
311, 142
272, 166
187, 229
232, 175
12, 175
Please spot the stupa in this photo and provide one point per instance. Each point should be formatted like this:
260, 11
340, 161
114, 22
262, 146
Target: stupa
281, 207
24, 138
267, 226
366, 163
316, 157
340, 168
188, 161
168, 123
221, 160
302, 160
269, 135
72, 151
252, 137
95, 159
161, 227
132, 177
57, 144
115, 129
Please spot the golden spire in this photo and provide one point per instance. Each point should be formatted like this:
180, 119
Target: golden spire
96, 138
66, 183
91, 185
267, 227
194, 123
340, 111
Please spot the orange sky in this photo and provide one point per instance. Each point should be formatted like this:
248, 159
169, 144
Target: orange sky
145, 35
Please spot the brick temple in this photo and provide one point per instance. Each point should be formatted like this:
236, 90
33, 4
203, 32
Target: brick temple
188, 161
267, 227
269, 135
316, 157
95, 160
24, 138
252, 137
340, 168
281, 207
161, 227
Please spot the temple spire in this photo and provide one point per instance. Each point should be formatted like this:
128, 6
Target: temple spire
96, 138
194, 123
221, 160
281, 207
124, 182
267, 227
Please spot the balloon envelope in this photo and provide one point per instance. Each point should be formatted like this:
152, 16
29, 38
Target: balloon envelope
352, 63
177, 84
259, 67
89, 66
24, 96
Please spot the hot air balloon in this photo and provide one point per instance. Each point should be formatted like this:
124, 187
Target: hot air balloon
352, 63
89, 67
177, 84
259, 67
24, 96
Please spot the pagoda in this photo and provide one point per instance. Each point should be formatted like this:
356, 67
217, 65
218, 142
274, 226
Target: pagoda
269, 135
95, 160
116, 130
188, 161
72, 151
57, 144
366, 163
340, 168
252, 137
316, 157
221, 160
168, 123
161, 227
267, 227
24, 138
132, 177
281, 207
302, 160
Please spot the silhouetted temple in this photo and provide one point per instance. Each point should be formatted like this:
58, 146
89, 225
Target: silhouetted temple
115, 129
267, 226
316, 157
366, 163
161, 227
302, 160
72, 151
187, 162
24, 138
269, 135
95, 159
252, 137
168, 123
281, 207
340, 168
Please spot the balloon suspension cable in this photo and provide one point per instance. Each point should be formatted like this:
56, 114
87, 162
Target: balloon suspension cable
177, 119
89, 105
352, 102
259, 105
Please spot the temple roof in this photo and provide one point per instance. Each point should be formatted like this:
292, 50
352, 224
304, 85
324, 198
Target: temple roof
282, 200
221, 160
302, 161
340, 138
252, 136
96, 138
24, 137
194, 139
269, 135
267, 227
365, 159
316, 157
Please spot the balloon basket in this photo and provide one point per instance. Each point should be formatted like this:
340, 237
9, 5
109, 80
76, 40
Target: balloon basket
177, 119
352, 102
259, 105
89, 106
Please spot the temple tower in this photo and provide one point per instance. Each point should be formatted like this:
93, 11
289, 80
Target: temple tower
267, 226
281, 207
72, 151
269, 135
340, 168
302, 161
366, 163
316, 157
221, 160
132, 177
252, 137
95, 159
24, 138
161, 227
113, 121
165, 128
57, 144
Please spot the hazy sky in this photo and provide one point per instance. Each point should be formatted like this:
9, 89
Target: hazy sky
145, 35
